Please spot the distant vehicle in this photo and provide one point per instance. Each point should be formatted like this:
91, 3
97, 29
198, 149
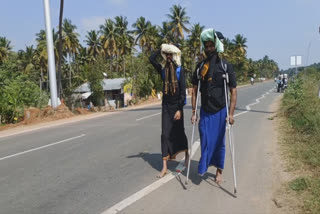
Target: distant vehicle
252, 80
282, 83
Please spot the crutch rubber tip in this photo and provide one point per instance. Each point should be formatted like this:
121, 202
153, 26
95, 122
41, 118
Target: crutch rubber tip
235, 192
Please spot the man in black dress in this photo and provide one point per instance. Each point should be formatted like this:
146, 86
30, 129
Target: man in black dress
173, 137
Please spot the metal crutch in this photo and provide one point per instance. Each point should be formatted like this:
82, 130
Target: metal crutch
231, 144
193, 126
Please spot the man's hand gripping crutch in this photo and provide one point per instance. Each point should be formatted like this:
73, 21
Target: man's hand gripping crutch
230, 122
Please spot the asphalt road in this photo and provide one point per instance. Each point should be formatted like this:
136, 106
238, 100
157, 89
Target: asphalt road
88, 166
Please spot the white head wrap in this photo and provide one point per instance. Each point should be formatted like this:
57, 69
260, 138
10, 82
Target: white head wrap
176, 53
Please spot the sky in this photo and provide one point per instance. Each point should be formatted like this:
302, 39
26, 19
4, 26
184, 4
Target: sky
277, 28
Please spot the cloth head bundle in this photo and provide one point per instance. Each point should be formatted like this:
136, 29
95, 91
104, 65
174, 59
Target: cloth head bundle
210, 35
171, 49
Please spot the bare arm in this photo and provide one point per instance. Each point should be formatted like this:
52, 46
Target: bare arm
193, 103
154, 62
194, 97
233, 102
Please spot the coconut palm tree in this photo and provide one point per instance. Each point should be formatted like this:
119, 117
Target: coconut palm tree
121, 25
152, 38
41, 53
125, 50
83, 58
94, 44
165, 33
27, 58
178, 21
122, 40
70, 43
70, 38
228, 48
42, 43
240, 43
108, 38
140, 31
5, 48
194, 40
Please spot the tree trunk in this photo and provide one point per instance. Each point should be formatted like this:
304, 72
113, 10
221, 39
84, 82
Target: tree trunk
110, 65
117, 66
41, 76
124, 67
70, 73
41, 81
47, 80
60, 49
70, 77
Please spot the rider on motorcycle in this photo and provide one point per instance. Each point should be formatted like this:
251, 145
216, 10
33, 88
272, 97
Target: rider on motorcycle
279, 83
252, 80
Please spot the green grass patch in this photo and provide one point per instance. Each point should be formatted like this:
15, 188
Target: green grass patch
299, 184
301, 137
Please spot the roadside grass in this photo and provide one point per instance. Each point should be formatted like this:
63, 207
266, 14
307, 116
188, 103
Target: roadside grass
300, 110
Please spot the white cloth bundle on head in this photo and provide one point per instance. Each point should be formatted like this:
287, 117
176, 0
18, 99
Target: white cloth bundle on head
176, 53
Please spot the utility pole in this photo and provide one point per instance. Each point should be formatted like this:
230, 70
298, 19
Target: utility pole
51, 62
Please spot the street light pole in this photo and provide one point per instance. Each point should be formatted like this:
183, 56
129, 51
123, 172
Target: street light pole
51, 62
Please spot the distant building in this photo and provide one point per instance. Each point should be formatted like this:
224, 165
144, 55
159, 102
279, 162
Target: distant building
113, 93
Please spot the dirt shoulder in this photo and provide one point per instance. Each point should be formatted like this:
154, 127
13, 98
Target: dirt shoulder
284, 201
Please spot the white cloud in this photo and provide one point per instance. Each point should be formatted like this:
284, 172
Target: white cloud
118, 2
92, 23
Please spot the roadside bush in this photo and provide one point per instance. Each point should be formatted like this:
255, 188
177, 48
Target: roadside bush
301, 107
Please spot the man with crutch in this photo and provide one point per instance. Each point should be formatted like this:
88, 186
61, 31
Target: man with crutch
213, 75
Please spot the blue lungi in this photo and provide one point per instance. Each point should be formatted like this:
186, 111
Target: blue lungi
212, 129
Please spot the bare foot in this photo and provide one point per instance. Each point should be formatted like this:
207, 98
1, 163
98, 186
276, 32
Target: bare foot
219, 176
162, 173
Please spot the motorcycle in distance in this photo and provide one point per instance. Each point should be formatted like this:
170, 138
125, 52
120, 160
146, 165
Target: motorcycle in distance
252, 80
282, 83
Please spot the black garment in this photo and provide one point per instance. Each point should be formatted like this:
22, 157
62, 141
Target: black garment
212, 86
173, 137
180, 95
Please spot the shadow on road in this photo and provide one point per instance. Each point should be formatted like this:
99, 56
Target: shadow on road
196, 179
155, 160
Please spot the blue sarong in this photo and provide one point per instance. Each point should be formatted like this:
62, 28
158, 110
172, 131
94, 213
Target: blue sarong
212, 128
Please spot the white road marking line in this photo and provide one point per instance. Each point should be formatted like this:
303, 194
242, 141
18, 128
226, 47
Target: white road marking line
148, 116
42, 147
56, 123
236, 115
145, 191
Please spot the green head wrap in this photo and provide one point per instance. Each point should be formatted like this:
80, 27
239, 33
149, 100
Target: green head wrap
210, 35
